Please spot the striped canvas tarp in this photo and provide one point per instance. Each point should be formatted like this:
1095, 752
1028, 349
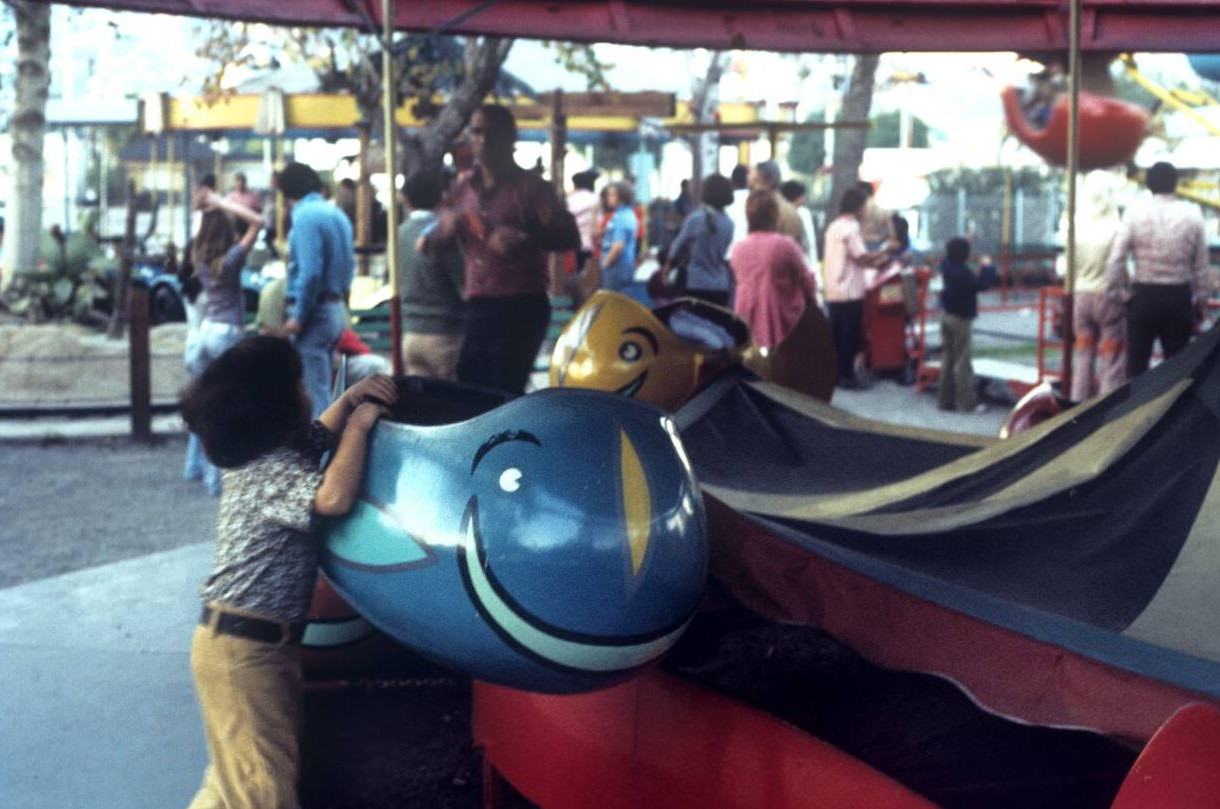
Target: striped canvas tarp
1069, 576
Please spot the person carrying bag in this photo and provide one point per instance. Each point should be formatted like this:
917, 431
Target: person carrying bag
698, 266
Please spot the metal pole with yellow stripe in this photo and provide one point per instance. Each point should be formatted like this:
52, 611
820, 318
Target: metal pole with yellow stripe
1073, 164
391, 170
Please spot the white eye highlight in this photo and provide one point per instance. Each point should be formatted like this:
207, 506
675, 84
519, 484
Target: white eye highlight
510, 479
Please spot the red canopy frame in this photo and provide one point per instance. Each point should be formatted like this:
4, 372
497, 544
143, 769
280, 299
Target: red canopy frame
849, 26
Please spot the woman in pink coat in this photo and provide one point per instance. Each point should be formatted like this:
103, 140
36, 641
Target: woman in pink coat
774, 282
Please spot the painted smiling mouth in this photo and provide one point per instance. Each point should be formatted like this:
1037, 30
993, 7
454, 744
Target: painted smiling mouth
633, 387
545, 643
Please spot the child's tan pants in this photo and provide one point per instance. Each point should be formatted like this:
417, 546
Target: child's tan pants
250, 698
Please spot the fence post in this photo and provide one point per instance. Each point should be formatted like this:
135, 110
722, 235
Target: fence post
141, 387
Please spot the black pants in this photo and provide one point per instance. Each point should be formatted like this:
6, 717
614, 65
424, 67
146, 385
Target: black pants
1157, 311
503, 336
846, 324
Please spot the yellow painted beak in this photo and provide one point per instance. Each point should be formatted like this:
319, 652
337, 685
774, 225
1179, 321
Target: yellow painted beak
637, 503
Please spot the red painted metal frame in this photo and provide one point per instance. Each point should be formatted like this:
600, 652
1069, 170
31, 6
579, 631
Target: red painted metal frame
780, 25
658, 742
1049, 298
1180, 766
885, 324
1007, 673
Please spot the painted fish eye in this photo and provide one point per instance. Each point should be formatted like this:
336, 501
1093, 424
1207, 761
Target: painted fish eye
630, 351
510, 479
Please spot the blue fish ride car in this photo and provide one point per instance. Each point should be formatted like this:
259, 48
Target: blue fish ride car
554, 543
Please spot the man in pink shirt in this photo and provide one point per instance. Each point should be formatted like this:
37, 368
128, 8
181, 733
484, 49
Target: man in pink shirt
1165, 237
843, 261
505, 219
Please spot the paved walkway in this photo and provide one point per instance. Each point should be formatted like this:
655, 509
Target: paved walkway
98, 705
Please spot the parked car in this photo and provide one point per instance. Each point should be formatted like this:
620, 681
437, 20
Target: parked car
165, 304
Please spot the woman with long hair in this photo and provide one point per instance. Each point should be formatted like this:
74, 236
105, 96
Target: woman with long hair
774, 282
217, 258
702, 245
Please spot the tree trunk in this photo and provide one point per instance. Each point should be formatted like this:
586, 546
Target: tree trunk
27, 127
484, 56
704, 99
849, 143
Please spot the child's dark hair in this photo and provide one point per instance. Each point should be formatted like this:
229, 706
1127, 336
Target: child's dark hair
248, 401
957, 249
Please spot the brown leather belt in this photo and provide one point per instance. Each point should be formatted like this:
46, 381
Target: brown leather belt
242, 626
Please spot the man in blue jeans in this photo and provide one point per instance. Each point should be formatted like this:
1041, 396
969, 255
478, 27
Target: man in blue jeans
320, 266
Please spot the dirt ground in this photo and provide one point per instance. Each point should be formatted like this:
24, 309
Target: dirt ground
53, 364
69, 506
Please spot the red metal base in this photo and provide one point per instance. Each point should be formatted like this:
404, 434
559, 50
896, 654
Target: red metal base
658, 742
1180, 766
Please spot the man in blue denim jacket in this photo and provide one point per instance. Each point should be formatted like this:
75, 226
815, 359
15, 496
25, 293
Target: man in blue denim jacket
320, 266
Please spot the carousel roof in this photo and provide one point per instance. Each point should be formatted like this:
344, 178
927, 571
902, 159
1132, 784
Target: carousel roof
779, 25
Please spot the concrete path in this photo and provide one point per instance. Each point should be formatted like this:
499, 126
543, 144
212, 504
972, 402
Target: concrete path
98, 704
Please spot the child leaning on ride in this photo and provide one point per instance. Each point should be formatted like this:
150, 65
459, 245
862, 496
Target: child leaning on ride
250, 408
217, 259
960, 299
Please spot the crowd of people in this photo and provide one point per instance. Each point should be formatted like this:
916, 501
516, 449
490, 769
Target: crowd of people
474, 276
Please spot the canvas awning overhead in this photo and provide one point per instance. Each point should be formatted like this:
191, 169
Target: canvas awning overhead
1067, 576
780, 25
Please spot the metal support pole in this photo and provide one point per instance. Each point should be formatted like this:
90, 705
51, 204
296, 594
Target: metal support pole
1006, 237
188, 188
171, 198
1073, 163
559, 148
391, 169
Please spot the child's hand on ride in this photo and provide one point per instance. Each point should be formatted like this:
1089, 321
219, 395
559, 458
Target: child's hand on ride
366, 415
378, 389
